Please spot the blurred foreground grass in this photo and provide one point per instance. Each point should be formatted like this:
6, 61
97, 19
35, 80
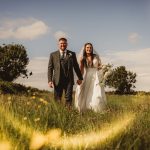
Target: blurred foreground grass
37, 122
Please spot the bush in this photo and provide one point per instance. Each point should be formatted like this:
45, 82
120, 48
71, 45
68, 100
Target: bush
15, 88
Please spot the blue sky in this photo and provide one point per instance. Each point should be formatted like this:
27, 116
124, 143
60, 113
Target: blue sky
118, 29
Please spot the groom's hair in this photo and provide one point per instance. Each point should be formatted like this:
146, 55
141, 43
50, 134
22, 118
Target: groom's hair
63, 39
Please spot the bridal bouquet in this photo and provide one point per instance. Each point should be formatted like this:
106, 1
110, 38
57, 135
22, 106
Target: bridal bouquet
105, 72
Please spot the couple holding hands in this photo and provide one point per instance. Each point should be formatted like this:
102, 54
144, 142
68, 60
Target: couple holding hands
89, 93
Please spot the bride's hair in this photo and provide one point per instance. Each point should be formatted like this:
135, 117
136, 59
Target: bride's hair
85, 55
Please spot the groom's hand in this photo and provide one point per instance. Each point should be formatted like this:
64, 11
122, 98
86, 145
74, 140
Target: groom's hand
79, 82
51, 85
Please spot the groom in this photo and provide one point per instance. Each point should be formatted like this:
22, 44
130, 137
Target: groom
60, 71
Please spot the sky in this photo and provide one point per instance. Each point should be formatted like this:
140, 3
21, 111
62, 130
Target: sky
118, 29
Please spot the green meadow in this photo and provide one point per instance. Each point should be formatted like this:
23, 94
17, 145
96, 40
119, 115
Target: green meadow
37, 122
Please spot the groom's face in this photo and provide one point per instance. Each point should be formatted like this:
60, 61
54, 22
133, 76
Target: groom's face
62, 45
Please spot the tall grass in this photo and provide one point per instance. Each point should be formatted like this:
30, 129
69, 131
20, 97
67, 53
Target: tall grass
36, 121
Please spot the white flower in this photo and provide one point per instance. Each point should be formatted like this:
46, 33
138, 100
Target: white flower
104, 67
107, 74
70, 54
106, 71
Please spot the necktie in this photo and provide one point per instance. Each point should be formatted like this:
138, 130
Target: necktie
63, 55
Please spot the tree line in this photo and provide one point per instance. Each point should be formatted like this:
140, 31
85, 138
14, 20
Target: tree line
14, 61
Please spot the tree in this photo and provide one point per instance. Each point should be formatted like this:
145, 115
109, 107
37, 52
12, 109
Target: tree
122, 80
13, 62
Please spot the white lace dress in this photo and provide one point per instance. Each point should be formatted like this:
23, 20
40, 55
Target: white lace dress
90, 94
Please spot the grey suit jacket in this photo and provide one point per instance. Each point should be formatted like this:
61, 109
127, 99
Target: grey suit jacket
54, 67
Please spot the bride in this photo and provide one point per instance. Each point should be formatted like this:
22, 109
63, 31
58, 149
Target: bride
90, 94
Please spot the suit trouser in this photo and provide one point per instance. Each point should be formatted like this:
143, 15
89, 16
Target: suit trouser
64, 86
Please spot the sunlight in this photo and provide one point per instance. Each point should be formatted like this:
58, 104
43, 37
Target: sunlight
38, 140
54, 138
4, 145
99, 137
84, 140
22, 128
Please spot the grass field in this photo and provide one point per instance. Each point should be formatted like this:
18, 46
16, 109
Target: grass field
37, 122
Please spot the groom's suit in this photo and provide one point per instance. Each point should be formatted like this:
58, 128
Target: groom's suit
60, 72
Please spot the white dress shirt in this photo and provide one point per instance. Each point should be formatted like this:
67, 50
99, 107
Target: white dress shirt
61, 52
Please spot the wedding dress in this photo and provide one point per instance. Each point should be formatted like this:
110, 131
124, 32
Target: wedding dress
90, 94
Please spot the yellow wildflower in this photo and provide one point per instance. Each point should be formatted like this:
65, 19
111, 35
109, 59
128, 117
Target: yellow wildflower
33, 97
39, 106
43, 101
37, 119
9, 98
25, 118
28, 103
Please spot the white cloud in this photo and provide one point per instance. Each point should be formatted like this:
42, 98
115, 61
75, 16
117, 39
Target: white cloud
136, 61
60, 34
134, 38
39, 79
28, 29
38, 65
